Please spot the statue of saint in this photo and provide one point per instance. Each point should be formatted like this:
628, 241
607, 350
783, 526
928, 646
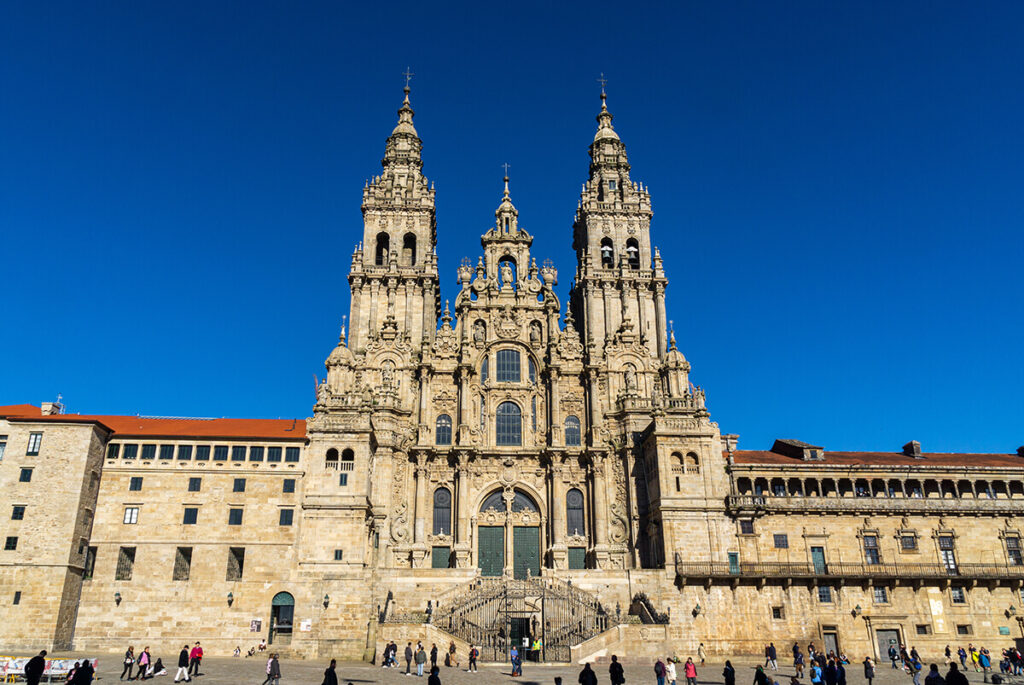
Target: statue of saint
479, 331
630, 378
506, 274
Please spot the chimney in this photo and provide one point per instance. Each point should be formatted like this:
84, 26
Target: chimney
50, 408
732, 442
1020, 451
912, 449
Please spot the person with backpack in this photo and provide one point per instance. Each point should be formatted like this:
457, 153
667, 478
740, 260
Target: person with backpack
659, 671
474, 654
421, 660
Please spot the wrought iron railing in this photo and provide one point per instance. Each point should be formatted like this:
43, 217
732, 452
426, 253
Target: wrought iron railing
847, 570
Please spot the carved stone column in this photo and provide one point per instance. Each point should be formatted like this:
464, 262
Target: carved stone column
554, 410
420, 529
659, 301
372, 328
410, 296
600, 493
463, 535
356, 333
559, 555
609, 321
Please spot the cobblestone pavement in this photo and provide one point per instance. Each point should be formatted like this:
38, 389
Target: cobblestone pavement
230, 671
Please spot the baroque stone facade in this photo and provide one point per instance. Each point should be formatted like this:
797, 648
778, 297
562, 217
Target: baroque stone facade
502, 436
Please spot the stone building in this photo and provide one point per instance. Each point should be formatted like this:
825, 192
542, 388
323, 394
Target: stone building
497, 468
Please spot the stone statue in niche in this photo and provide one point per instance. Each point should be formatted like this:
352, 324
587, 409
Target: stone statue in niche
630, 379
479, 331
506, 275
535, 333
387, 374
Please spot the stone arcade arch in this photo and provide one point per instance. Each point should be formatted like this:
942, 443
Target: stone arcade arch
282, 614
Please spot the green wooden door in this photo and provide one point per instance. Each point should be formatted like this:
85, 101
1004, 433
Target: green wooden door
491, 550
525, 551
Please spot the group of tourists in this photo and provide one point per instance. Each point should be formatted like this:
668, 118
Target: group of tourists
80, 674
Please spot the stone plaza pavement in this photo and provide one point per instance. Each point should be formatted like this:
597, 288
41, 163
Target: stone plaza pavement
230, 671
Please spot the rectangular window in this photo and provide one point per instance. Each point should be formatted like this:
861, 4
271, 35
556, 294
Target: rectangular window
112, 451
611, 185
19, 513
337, 555
286, 517
781, 541
191, 516
195, 484
125, 563
273, 454
130, 451
945, 542
923, 629
220, 453
184, 452
746, 527
182, 563
908, 543
255, 454
577, 558
238, 453
148, 452
167, 451
131, 515
958, 595
236, 563
508, 366
439, 556
343, 479
11, 543
17, 597
235, 517
291, 454
1013, 551
881, 595
825, 594
871, 555
35, 440
202, 453
90, 563
288, 485
964, 629
3, 446
135, 484
239, 485
777, 613
25, 476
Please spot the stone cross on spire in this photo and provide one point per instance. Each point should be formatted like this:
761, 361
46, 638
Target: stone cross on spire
408, 76
603, 81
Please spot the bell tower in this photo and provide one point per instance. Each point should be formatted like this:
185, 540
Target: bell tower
620, 283
393, 279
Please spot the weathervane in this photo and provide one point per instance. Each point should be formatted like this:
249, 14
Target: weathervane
408, 76
506, 165
603, 81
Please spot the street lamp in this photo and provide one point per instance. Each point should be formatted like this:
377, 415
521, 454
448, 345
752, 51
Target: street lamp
327, 600
231, 599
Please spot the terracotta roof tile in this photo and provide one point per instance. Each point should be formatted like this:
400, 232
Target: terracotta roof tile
142, 426
883, 459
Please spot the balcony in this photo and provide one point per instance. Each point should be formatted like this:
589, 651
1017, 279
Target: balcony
792, 504
840, 572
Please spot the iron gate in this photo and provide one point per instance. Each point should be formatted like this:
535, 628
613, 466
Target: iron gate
497, 613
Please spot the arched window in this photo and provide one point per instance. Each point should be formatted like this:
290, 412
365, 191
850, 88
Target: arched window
572, 431
633, 253
409, 249
692, 463
443, 434
348, 455
442, 511
509, 424
509, 366
607, 253
332, 458
383, 246
574, 513
484, 370
533, 370
494, 501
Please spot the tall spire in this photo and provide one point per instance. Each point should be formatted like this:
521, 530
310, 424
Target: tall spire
404, 145
506, 214
604, 119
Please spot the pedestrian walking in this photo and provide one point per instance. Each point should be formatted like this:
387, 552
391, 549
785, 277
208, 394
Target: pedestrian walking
915, 671
893, 654
831, 673
869, 670
955, 677
816, 673
798, 661
772, 655
962, 655
702, 653
934, 677
421, 660
270, 662
587, 676
275, 670
129, 663
330, 677
144, 662
659, 671
729, 674
195, 658
35, 667
840, 673
408, 658
435, 676
615, 673
670, 671
690, 671
182, 666
474, 654
452, 658
433, 655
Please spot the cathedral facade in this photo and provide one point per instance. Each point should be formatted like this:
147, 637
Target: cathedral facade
497, 468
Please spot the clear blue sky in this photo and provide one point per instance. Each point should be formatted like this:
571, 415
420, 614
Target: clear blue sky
837, 191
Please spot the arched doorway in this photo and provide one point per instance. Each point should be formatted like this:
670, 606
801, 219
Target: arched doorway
509, 529
282, 614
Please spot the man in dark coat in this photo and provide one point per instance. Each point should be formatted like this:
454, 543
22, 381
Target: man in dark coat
587, 676
615, 672
831, 673
182, 665
83, 676
955, 677
408, 658
330, 677
35, 667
